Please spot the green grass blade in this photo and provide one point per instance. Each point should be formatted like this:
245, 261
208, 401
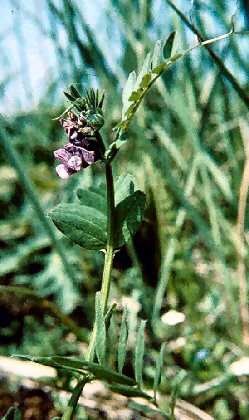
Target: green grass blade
139, 354
123, 336
100, 345
158, 371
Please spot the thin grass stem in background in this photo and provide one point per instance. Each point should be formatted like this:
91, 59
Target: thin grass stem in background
241, 270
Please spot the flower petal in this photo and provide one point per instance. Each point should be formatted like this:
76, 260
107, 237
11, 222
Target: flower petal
63, 155
62, 171
88, 155
75, 163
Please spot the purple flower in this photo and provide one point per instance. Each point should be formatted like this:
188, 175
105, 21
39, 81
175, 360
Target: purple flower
73, 159
82, 148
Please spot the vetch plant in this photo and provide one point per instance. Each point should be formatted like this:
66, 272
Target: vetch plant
106, 218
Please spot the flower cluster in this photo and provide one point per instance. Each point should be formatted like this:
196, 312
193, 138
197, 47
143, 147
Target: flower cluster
82, 148
84, 145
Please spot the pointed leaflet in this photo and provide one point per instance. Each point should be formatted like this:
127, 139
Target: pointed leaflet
122, 341
73, 91
85, 226
139, 354
124, 186
157, 57
146, 67
129, 215
176, 45
168, 47
80, 366
128, 89
100, 344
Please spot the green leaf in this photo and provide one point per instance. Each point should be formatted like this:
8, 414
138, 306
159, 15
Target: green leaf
158, 372
129, 215
123, 186
73, 91
135, 95
98, 371
168, 47
69, 97
157, 57
128, 89
12, 414
93, 199
100, 189
80, 366
85, 226
149, 411
109, 314
145, 71
122, 341
139, 354
129, 391
176, 45
100, 345
145, 80
159, 69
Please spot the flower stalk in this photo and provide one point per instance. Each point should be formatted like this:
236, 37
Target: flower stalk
106, 279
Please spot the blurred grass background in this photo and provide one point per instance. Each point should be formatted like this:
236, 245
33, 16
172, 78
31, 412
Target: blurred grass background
187, 148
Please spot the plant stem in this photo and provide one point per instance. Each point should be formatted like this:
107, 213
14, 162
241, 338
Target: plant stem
106, 280
110, 231
68, 415
106, 277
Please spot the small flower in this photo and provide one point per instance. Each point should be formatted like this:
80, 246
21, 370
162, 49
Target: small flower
73, 159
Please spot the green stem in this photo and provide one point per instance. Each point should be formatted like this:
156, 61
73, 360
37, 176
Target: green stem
69, 413
106, 280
